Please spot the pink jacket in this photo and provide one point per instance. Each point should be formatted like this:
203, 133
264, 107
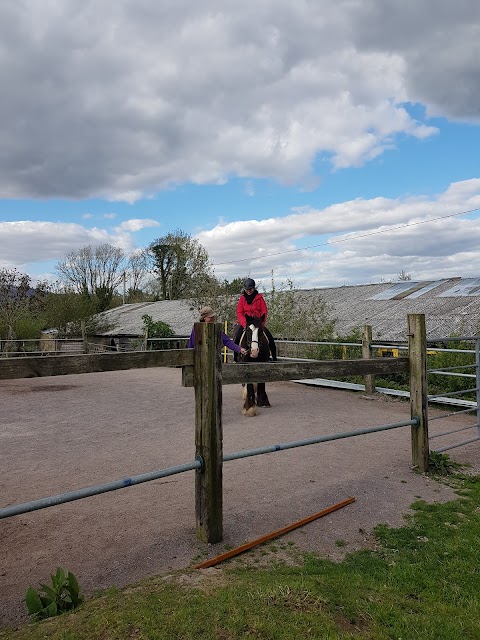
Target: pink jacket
256, 309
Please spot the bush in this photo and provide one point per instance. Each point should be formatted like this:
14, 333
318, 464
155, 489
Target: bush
158, 329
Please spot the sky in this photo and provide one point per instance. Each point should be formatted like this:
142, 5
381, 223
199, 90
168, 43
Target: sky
328, 143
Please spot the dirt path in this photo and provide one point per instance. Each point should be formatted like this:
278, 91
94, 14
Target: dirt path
58, 434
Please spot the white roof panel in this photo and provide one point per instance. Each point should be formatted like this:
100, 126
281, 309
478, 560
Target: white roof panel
466, 287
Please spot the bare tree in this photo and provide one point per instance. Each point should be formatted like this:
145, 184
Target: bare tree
94, 272
139, 265
404, 276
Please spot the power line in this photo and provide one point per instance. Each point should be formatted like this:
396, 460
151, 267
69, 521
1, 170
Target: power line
364, 235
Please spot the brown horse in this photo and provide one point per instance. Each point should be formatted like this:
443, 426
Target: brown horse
256, 342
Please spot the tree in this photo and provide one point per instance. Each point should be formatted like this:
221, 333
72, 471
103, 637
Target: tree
20, 305
404, 276
64, 309
181, 264
234, 287
137, 269
298, 315
94, 272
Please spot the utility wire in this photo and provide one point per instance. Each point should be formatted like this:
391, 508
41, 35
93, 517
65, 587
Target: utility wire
364, 235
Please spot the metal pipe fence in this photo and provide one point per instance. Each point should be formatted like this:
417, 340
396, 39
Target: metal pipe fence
86, 492
450, 372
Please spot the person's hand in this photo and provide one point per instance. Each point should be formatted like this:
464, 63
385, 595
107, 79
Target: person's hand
243, 351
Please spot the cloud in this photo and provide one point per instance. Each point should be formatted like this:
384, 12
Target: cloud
137, 224
352, 242
357, 241
120, 99
438, 41
24, 243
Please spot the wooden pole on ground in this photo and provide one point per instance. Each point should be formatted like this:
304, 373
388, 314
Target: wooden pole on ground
270, 536
417, 355
208, 431
367, 354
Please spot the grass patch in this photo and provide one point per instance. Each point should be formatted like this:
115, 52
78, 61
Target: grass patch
422, 581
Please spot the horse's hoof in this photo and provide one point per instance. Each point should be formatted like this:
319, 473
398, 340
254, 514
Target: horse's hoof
250, 412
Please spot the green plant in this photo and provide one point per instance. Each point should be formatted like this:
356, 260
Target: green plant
62, 595
158, 329
440, 464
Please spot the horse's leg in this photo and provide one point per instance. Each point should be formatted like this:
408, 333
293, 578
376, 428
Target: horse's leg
249, 406
262, 398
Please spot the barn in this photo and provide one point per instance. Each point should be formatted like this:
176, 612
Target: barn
451, 307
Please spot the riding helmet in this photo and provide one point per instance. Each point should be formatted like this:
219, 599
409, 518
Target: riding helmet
248, 283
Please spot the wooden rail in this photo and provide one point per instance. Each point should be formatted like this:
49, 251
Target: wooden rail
278, 371
42, 366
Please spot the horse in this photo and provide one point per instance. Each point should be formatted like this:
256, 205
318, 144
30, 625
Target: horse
256, 342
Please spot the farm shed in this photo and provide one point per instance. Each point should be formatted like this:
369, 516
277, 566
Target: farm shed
451, 307
126, 323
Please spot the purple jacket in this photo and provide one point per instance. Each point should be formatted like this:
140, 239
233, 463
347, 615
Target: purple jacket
227, 342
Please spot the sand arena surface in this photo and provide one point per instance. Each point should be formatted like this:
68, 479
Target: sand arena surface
62, 433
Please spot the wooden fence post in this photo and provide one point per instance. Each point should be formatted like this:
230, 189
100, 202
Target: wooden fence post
417, 355
84, 335
367, 353
208, 431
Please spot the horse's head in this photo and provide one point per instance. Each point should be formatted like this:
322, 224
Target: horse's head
253, 341
255, 337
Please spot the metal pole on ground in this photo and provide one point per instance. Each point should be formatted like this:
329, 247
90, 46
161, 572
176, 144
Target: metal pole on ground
417, 355
208, 431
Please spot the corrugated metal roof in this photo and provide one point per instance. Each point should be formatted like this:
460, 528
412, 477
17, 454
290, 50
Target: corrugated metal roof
351, 306
127, 319
358, 305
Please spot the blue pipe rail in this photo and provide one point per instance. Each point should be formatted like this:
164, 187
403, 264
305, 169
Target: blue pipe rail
448, 433
460, 444
452, 393
51, 501
86, 492
302, 443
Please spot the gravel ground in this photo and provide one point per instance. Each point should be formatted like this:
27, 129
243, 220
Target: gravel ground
59, 434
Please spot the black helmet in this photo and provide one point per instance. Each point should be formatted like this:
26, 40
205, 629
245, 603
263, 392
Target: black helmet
248, 283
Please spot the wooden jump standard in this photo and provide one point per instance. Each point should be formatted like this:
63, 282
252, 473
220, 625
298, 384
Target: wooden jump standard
203, 369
